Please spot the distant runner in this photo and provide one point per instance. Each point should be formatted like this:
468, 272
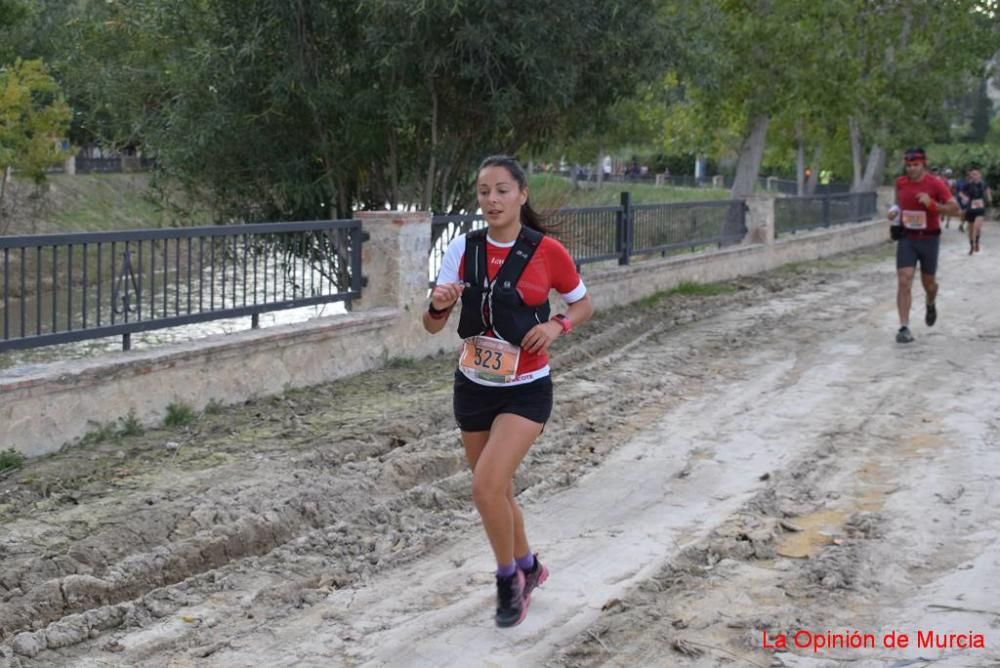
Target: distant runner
920, 199
975, 196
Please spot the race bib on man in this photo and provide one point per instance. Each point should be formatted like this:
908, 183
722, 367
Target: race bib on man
978, 204
489, 359
915, 220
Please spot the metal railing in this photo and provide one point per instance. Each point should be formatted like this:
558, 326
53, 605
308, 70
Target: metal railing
444, 229
678, 180
602, 233
98, 165
790, 187
60, 288
662, 228
796, 214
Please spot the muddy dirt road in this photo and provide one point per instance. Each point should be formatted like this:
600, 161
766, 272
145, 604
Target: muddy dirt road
721, 472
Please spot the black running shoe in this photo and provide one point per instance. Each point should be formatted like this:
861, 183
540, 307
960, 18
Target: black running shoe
903, 335
511, 605
931, 316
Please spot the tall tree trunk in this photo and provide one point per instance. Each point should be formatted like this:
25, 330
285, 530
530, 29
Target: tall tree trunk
874, 169
343, 200
800, 160
4, 179
857, 153
814, 176
751, 155
393, 170
425, 200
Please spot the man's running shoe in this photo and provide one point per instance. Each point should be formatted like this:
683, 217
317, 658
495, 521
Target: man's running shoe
512, 606
931, 316
903, 335
536, 577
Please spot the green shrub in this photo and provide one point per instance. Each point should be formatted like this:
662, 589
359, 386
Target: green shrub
687, 288
179, 414
10, 459
99, 434
705, 289
129, 425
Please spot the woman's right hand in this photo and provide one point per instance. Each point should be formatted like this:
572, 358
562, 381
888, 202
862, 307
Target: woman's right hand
444, 296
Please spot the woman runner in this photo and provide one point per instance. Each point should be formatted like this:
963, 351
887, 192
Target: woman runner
503, 392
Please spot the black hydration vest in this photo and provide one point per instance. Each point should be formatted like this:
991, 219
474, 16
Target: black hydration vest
497, 305
974, 191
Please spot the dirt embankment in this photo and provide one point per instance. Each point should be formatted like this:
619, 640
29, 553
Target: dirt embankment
217, 543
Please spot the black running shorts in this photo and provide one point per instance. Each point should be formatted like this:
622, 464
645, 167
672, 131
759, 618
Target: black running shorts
476, 406
972, 214
910, 251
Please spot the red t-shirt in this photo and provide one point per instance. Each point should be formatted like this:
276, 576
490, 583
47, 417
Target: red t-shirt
550, 268
906, 197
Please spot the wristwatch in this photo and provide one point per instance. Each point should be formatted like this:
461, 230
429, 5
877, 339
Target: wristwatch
564, 322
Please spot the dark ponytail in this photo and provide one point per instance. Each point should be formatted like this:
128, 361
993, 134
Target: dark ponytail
529, 217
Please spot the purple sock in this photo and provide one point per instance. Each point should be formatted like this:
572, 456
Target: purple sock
506, 570
527, 562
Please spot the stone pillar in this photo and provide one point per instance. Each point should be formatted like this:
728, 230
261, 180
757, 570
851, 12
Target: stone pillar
69, 166
886, 198
760, 220
395, 259
396, 262
717, 181
772, 184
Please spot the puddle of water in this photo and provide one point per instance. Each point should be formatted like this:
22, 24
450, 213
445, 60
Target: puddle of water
913, 445
817, 529
875, 481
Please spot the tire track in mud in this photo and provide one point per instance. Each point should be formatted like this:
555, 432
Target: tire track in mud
325, 487
887, 524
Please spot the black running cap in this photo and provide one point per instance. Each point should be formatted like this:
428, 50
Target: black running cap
915, 155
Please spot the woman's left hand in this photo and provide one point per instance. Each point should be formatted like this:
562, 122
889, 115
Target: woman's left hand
537, 340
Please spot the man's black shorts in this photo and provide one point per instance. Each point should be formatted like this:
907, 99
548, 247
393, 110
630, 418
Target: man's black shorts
909, 251
476, 406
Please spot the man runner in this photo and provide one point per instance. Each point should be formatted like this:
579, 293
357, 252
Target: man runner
920, 200
975, 195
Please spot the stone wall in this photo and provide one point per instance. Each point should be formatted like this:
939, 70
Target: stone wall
42, 408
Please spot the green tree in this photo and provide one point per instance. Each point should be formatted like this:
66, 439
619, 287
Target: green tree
798, 78
33, 123
13, 14
279, 109
757, 62
911, 56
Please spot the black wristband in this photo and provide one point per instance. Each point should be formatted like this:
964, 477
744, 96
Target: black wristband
437, 311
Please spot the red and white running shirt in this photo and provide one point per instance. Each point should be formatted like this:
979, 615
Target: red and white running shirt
551, 267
